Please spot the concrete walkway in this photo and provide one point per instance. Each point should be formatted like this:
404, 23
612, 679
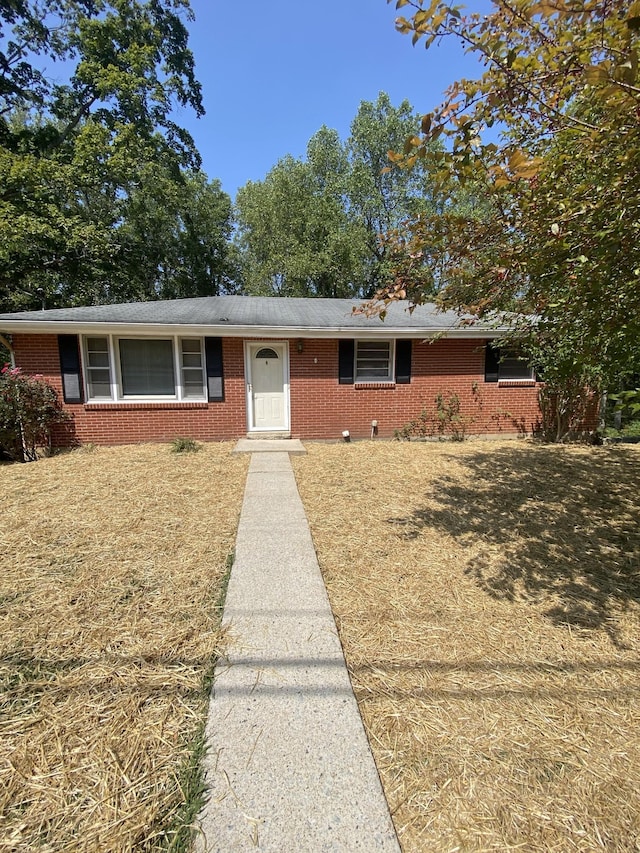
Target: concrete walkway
289, 767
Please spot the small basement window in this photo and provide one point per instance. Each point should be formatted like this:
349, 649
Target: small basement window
374, 361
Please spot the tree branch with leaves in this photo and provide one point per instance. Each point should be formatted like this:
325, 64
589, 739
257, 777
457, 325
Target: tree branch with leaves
559, 93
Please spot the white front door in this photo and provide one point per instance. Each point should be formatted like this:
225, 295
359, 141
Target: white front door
268, 385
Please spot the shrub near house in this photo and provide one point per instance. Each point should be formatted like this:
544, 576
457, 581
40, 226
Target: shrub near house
29, 409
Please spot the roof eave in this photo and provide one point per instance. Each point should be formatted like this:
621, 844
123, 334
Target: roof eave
237, 331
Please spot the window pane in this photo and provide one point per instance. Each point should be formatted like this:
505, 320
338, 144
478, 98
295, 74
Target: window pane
192, 383
191, 359
97, 345
99, 390
373, 350
373, 360
266, 352
190, 345
513, 367
193, 374
192, 389
99, 383
98, 359
379, 372
366, 363
147, 368
99, 374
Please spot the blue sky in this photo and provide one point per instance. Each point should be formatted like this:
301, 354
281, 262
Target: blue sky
274, 71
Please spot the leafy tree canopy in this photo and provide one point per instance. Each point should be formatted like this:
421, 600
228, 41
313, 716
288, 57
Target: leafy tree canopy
93, 168
320, 226
296, 238
562, 184
130, 65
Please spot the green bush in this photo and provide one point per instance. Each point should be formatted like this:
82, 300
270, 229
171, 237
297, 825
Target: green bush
184, 445
29, 408
629, 430
445, 421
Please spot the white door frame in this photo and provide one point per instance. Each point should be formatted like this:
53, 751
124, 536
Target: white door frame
249, 348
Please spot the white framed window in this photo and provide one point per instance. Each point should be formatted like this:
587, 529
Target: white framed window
97, 368
146, 367
129, 368
192, 368
374, 361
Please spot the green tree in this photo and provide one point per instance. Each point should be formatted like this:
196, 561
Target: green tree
131, 63
320, 226
562, 186
295, 237
93, 170
174, 237
380, 198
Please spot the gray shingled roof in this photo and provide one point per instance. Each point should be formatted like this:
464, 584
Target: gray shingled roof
239, 313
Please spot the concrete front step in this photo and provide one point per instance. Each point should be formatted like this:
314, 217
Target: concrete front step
258, 436
270, 445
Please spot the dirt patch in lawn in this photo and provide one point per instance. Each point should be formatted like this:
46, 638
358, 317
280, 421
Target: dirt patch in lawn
112, 567
488, 600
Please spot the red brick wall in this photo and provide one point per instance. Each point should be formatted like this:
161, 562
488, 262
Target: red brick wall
128, 423
320, 407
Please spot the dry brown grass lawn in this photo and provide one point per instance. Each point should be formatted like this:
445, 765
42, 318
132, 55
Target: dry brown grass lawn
112, 566
488, 600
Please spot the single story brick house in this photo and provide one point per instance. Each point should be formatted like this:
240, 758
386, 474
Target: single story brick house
221, 367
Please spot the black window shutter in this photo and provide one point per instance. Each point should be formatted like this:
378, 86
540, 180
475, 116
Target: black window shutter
403, 362
346, 353
491, 363
215, 375
70, 368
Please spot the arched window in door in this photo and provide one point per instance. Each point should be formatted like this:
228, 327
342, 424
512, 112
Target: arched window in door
266, 352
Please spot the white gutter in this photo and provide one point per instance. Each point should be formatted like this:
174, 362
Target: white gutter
234, 331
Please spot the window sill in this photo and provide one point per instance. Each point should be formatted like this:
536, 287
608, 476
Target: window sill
516, 383
110, 405
368, 386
